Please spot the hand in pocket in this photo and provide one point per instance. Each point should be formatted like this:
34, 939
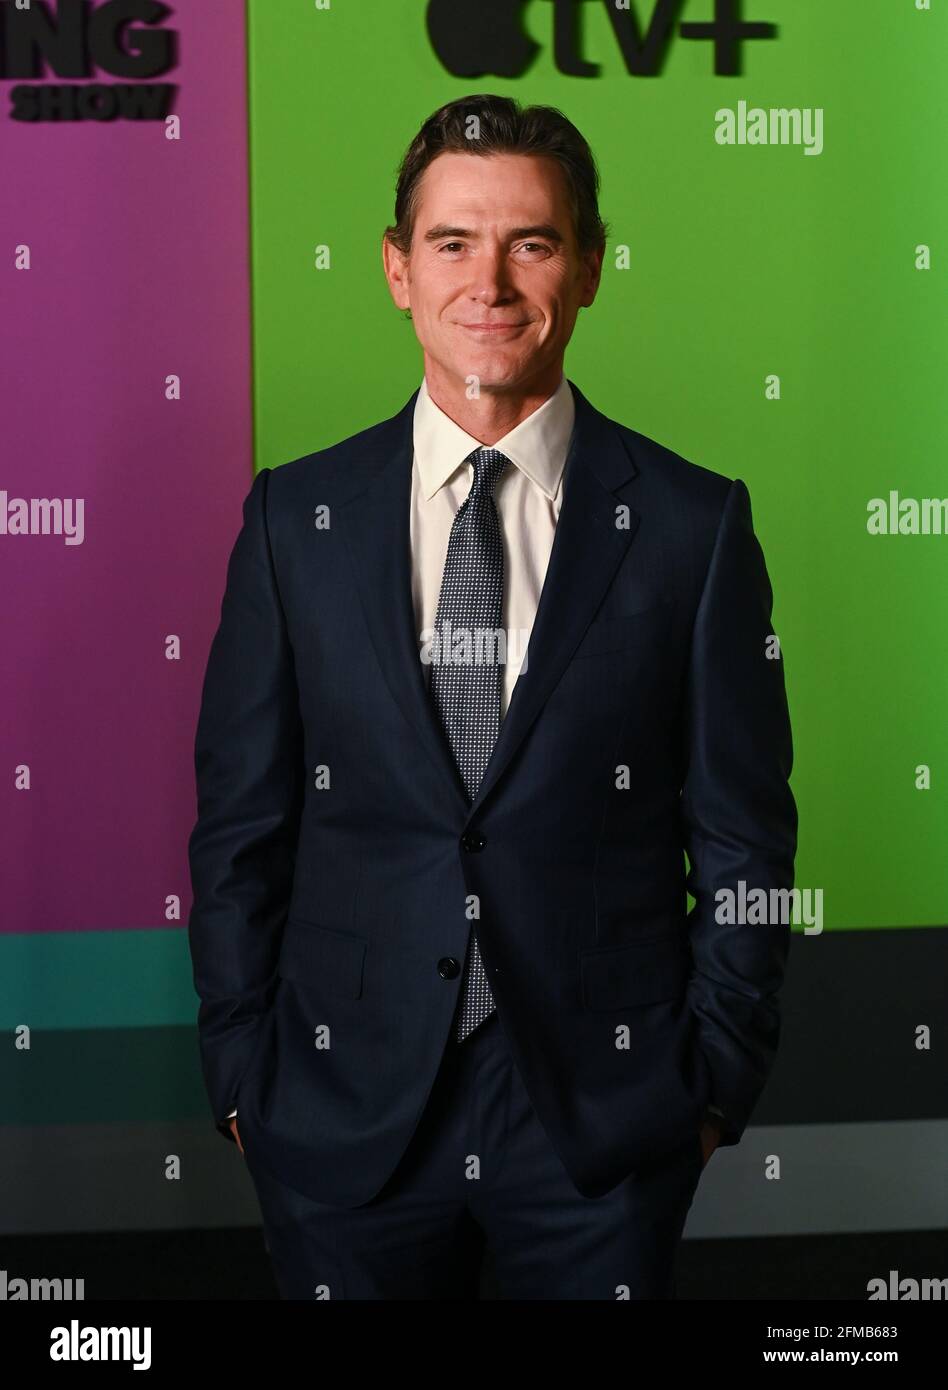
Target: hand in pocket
235, 1132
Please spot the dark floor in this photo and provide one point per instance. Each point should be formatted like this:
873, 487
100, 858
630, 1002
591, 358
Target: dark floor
233, 1264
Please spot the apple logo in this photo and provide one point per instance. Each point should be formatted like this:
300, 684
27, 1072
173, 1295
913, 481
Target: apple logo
475, 37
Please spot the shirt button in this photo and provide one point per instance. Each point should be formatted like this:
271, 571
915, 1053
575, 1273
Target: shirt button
448, 968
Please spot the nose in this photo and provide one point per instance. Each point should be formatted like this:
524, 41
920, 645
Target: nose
491, 279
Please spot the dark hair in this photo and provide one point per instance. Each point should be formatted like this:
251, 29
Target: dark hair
505, 127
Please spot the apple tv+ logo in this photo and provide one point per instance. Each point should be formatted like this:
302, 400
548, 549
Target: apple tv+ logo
476, 38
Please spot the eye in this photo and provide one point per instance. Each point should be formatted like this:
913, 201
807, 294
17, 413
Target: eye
535, 246
448, 245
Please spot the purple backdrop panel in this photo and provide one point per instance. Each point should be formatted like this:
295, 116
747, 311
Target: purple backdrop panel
138, 272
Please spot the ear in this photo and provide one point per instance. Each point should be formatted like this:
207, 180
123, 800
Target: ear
395, 265
592, 269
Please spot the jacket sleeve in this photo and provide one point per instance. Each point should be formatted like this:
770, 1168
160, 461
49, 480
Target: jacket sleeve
739, 818
248, 759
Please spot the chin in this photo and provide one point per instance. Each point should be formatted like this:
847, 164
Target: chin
493, 369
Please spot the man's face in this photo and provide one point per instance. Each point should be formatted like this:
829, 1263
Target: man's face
494, 279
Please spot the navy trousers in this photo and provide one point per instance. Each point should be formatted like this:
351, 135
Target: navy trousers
480, 1177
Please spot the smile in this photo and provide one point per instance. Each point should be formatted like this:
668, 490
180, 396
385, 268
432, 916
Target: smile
489, 328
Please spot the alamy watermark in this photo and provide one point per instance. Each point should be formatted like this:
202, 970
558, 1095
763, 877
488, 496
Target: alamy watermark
15, 1289
774, 125
907, 1290
907, 516
43, 516
452, 645
770, 907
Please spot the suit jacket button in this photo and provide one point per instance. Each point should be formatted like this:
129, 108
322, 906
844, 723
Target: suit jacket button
448, 968
472, 842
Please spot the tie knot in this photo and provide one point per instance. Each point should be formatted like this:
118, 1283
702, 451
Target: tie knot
488, 465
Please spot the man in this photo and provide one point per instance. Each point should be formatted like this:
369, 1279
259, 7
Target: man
451, 993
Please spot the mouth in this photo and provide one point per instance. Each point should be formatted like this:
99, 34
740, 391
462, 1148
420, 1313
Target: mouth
489, 329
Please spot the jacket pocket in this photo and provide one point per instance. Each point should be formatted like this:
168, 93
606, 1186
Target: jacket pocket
646, 972
334, 960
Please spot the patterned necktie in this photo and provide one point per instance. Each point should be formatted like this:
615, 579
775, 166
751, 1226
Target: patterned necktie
466, 691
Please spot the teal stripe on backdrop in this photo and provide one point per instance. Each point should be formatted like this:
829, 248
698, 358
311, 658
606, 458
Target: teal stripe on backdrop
96, 979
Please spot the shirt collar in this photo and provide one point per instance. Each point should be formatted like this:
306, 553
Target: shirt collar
537, 446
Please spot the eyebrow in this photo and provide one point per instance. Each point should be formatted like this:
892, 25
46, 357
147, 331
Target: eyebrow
542, 229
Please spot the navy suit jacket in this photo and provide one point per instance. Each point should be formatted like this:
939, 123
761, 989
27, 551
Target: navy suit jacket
650, 724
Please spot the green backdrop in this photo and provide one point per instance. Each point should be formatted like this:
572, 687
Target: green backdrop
746, 261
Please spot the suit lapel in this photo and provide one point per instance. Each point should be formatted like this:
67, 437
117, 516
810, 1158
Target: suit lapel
587, 549
376, 527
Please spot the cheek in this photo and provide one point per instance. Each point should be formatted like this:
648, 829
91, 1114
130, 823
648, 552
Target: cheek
563, 316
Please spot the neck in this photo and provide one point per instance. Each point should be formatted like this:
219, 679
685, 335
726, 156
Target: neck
495, 412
